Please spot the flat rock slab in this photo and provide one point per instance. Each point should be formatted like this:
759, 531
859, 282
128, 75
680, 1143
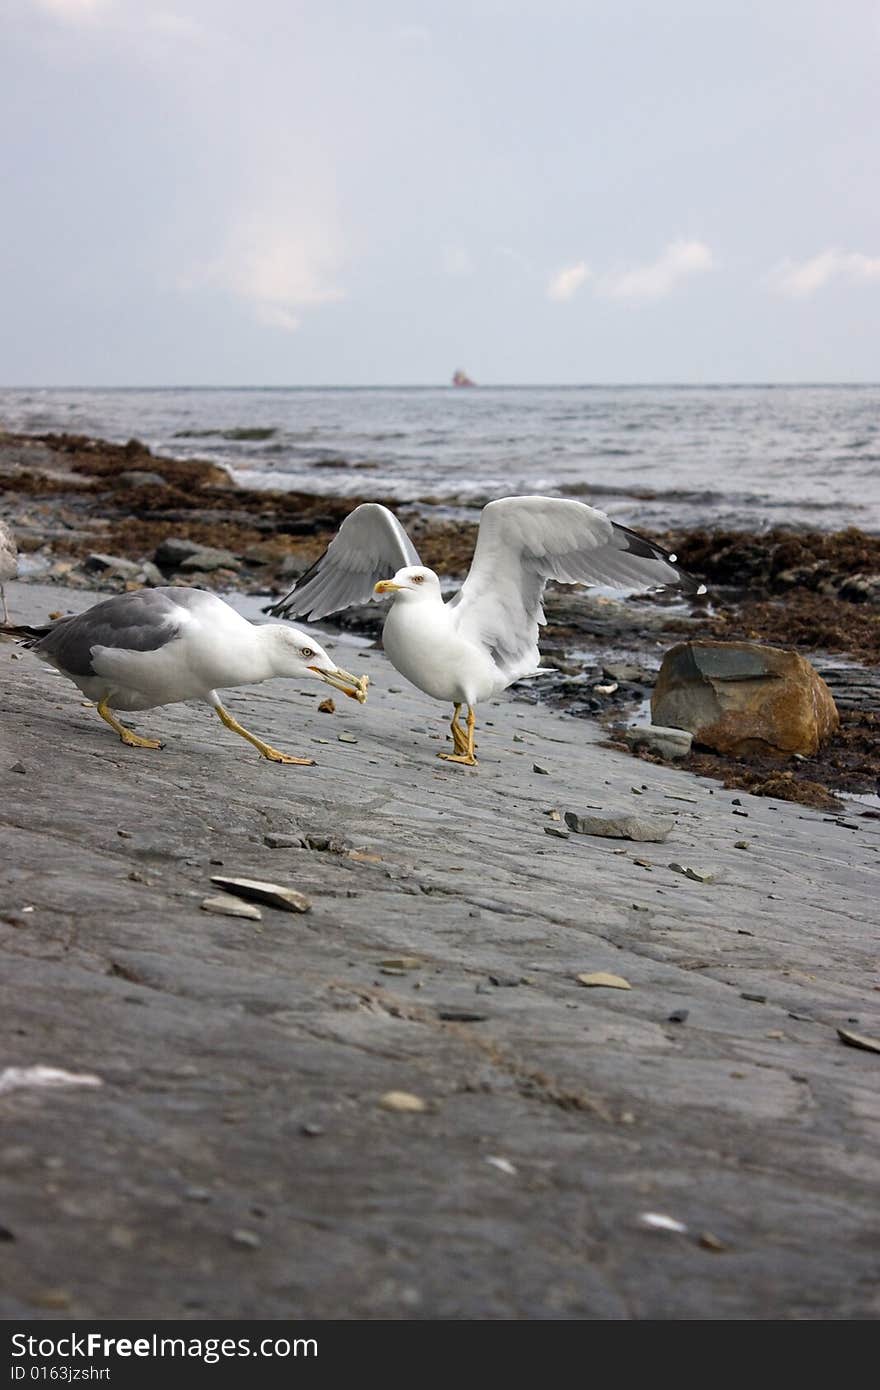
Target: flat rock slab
273, 894
242, 1070
648, 828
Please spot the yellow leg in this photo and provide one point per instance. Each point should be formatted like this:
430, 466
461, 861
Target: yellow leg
459, 737
268, 752
128, 736
465, 754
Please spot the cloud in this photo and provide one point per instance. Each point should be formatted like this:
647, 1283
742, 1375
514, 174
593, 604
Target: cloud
566, 283
680, 260
277, 264
457, 261
801, 278
74, 11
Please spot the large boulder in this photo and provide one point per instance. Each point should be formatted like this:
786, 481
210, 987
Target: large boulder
742, 698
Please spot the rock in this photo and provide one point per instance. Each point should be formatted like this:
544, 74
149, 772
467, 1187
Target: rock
858, 1040
231, 907
742, 698
403, 1101
698, 875
402, 963
138, 477
678, 1016
208, 558
659, 738
288, 899
283, 841
600, 979
654, 828
557, 831
110, 564
150, 573
536, 767
628, 673
249, 1239
171, 553
454, 1013
19, 767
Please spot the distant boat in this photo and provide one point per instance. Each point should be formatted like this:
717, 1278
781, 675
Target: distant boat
461, 378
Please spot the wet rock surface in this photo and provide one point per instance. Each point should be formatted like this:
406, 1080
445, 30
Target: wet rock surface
238, 1155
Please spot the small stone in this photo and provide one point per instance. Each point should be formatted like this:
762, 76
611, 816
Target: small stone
327, 706
275, 895
455, 1014
698, 875
505, 981
755, 998
776, 1034
745, 814
19, 767
279, 842
346, 738
710, 1242
51, 1298
402, 963
858, 1040
403, 1101
600, 979
249, 1239
557, 832
659, 738
311, 1130
741, 844
536, 767
627, 827
231, 907
503, 1165
678, 1016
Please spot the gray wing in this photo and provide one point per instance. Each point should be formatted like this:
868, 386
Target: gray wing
137, 622
370, 545
523, 542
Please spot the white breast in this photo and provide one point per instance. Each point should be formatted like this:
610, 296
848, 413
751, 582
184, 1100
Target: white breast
422, 644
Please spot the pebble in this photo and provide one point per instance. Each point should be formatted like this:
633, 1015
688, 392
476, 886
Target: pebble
288, 899
19, 767
346, 738
602, 980
404, 1101
282, 841
755, 998
231, 907
741, 844
678, 1016
654, 828
456, 1014
249, 1239
311, 1131
505, 981
698, 875
557, 832
536, 767
402, 963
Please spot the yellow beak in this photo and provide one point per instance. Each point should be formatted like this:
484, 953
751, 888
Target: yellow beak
387, 586
355, 687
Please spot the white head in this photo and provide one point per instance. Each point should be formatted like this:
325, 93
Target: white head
413, 583
294, 653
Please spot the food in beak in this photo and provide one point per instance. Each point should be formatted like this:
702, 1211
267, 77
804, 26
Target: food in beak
355, 687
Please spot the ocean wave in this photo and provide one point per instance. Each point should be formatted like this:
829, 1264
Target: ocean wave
244, 434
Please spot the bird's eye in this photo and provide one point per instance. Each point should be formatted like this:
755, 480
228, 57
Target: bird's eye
418, 579
307, 651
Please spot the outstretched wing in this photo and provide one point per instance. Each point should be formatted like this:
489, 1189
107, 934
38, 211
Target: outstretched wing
523, 542
370, 545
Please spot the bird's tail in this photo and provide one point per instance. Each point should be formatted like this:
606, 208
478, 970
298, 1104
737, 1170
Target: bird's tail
23, 632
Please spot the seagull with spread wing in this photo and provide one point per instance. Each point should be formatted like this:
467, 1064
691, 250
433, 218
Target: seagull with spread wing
486, 636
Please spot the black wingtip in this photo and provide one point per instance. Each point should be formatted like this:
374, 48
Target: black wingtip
645, 549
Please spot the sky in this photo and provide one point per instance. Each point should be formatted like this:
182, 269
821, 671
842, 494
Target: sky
308, 192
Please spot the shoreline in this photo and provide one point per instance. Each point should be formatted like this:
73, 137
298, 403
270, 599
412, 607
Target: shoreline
92, 514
